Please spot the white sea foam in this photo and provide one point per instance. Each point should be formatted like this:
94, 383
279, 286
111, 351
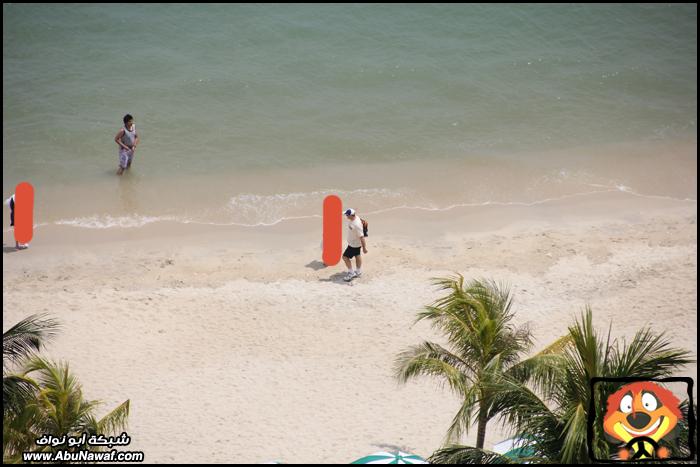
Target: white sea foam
254, 210
108, 222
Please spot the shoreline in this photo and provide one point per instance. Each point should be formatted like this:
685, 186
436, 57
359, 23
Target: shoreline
265, 198
607, 205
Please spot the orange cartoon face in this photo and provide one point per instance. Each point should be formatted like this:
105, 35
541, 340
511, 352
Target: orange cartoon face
642, 409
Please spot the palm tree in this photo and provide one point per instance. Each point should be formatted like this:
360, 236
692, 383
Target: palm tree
44, 398
58, 408
554, 411
19, 343
482, 345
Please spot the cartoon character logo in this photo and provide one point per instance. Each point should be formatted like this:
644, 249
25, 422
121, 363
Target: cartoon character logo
639, 415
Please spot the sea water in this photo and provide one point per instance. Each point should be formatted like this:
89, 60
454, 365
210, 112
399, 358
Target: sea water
251, 114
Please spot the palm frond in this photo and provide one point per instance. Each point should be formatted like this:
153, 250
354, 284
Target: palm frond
458, 454
544, 368
430, 359
116, 421
60, 397
463, 419
27, 337
515, 404
648, 355
575, 430
17, 391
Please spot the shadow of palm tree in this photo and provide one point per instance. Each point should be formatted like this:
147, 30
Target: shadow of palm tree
391, 447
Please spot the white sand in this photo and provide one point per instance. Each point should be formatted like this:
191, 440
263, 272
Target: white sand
233, 345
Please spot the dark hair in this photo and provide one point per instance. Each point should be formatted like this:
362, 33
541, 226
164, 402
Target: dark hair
127, 117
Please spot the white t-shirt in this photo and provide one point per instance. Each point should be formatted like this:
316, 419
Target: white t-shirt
355, 233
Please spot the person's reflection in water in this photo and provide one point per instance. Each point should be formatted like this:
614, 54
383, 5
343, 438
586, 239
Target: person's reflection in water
128, 194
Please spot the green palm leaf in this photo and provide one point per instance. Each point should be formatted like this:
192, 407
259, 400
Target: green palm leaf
457, 454
115, 421
27, 337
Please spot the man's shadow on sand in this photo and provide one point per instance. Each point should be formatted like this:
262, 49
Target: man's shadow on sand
9, 249
337, 278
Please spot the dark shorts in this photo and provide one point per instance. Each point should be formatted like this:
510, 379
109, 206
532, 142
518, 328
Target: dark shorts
351, 252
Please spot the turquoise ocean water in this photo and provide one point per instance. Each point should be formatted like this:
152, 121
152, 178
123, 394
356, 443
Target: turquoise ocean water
219, 90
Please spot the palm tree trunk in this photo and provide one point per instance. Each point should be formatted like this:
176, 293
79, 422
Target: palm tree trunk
481, 428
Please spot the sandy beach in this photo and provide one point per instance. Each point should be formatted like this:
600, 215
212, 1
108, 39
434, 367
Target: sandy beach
236, 344
549, 148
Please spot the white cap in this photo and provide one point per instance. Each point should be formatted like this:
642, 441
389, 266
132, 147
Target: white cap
349, 212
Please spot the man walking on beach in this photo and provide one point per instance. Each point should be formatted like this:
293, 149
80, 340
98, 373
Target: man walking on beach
356, 240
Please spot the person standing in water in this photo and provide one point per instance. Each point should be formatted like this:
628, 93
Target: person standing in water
127, 139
